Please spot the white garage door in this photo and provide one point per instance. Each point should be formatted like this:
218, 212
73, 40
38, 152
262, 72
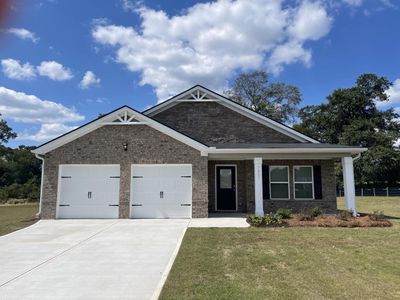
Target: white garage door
88, 191
161, 191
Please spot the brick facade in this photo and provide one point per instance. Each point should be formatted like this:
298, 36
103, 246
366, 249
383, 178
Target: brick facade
145, 146
245, 186
210, 122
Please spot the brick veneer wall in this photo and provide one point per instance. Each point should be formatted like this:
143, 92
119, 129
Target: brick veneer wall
210, 122
245, 174
145, 146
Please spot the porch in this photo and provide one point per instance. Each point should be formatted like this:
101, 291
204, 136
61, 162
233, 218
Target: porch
261, 185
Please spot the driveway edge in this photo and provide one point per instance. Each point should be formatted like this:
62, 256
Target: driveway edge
168, 268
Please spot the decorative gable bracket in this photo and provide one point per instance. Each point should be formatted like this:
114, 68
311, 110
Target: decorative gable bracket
125, 118
197, 95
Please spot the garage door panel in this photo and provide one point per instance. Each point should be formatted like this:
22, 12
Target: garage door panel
89, 191
161, 191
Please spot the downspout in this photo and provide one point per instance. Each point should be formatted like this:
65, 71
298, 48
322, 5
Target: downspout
41, 185
357, 157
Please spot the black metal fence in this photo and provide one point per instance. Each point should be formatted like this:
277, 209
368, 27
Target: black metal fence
374, 192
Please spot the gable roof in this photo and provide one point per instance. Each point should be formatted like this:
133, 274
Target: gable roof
199, 93
124, 115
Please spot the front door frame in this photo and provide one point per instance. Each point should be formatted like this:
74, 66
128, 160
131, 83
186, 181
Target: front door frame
216, 187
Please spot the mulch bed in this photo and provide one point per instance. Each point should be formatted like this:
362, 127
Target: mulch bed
334, 221
328, 221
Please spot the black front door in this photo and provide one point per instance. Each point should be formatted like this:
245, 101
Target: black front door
226, 188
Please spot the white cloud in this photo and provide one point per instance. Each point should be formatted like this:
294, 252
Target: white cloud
311, 22
210, 41
15, 70
24, 34
21, 107
46, 132
394, 96
54, 71
88, 80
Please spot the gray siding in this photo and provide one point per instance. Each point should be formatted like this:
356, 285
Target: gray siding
210, 122
145, 146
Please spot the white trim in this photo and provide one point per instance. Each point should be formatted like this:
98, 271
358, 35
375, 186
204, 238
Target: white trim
111, 117
216, 187
343, 150
281, 182
234, 106
60, 166
303, 182
126, 123
258, 187
41, 184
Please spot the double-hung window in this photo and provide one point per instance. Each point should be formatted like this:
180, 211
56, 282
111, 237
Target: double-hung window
303, 182
279, 182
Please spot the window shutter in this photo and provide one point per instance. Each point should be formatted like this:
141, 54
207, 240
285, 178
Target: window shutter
265, 173
317, 182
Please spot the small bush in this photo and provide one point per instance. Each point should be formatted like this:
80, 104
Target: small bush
254, 220
273, 219
377, 216
284, 213
316, 211
344, 215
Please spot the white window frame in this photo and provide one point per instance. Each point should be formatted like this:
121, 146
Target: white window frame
312, 182
286, 182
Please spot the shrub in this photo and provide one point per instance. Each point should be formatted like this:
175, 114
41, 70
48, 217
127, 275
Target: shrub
316, 211
254, 220
273, 219
344, 215
284, 213
377, 216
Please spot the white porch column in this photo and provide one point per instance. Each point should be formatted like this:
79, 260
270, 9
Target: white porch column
348, 183
258, 187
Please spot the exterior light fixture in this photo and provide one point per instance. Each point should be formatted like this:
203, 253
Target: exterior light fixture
125, 146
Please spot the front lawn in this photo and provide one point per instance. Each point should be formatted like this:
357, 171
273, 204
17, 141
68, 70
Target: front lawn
15, 217
291, 263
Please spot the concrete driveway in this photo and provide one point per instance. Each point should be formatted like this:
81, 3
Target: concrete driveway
89, 259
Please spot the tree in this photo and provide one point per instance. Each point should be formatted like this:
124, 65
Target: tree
6, 132
351, 117
278, 101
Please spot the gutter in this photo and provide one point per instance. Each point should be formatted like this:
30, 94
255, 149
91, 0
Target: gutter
287, 150
41, 185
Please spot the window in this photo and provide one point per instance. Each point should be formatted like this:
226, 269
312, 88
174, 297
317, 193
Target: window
279, 182
303, 182
225, 178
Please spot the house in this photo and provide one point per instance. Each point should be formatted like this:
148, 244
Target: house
189, 156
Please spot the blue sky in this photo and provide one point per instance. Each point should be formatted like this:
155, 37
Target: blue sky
64, 62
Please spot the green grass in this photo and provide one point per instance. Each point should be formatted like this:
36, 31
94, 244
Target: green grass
15, 217
291, 263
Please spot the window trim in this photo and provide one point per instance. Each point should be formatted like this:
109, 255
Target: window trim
285, 182
312, 182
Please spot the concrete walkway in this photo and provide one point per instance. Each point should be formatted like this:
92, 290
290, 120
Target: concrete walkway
89, 259
219, 222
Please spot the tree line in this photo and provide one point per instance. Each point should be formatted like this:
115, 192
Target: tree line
350, 116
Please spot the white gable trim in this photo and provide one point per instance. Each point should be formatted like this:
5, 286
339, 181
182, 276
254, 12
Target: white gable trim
214, 97
122, 116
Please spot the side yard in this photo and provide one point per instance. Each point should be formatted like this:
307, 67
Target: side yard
284, 263
15, 217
